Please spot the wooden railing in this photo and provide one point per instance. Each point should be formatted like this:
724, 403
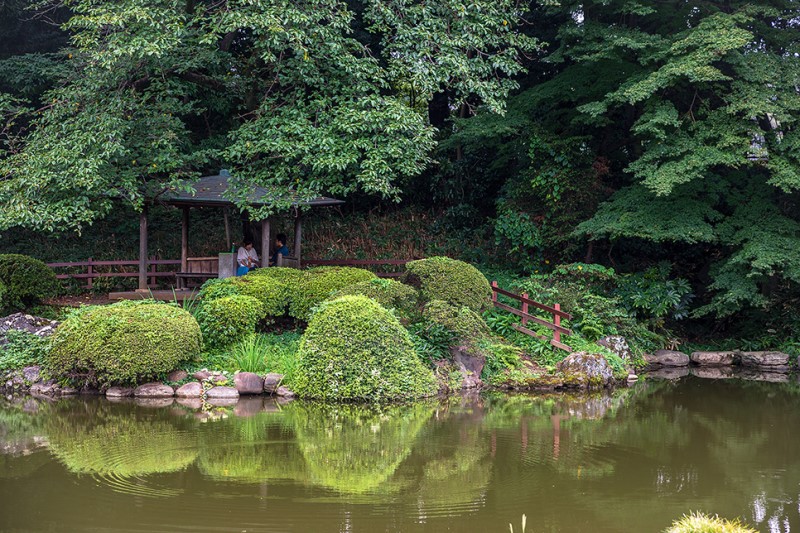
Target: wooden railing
92, 269
526, 304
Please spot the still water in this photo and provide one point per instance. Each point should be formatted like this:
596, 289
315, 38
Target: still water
629, 461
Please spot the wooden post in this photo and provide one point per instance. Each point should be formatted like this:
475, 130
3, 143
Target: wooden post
298, 237
265, 235
557, 322
143, 249
227, 229
184, 245
494, 294
525, 309
153, 270
89, 270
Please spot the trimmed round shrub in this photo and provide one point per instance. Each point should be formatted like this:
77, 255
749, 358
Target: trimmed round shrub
462, 321
123, 342
273, 294
27, 281
389, 293
229, 319
217, 288
319, 283
354, 349
455, 282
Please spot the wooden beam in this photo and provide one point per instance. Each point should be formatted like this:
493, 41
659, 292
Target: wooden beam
265, 235
227, 228
184, 243
298, 237
143, 249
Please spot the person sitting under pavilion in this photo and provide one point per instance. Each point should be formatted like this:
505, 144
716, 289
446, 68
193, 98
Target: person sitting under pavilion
246, 258
280, 248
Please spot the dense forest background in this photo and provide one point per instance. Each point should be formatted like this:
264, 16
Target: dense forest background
657, 138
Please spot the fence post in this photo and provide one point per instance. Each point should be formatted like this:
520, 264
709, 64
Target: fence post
90, 271
557, 322
494, 294
153, 269
524, 309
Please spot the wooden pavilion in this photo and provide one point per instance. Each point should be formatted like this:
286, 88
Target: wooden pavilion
209, 191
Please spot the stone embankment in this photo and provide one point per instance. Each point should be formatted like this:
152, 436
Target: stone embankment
761, 366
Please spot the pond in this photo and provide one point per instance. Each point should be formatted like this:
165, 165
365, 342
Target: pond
632, 460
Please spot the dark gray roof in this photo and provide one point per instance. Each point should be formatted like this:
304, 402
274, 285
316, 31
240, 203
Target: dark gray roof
209, 191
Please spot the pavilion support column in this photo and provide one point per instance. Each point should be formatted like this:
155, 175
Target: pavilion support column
298, 236
184, 244
143, 249
265, 242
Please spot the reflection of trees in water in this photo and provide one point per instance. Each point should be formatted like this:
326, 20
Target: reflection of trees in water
356, 448
251, 450
104, 438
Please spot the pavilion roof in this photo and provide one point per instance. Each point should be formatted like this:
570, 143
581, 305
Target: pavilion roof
210, 191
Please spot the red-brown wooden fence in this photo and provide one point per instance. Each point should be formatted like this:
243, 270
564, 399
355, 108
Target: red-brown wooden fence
526, 304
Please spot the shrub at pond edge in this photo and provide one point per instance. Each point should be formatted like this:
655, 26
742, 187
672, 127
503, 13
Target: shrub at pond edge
123, 343
318, 285
455, 282
354, 349
389, 293
24, 281
229, 319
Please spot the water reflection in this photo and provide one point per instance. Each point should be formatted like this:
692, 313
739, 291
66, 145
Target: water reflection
628, 461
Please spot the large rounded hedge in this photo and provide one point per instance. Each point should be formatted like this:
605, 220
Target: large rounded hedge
27, 281
389, 293
319, 283
123, 342
455, 282
226, 320
354, 349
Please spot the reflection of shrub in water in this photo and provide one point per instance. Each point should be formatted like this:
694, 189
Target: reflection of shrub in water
251, 450
356, 448
460, 478
120, 444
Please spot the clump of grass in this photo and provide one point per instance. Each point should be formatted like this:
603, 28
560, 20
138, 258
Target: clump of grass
266, 353
702, 523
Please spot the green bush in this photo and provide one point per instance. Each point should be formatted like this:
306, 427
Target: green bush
23, 349
465, 323
273, 294
354, 349
26, 281
229, 319
319, 283
217, 288
123, 342
389, 293
455, 282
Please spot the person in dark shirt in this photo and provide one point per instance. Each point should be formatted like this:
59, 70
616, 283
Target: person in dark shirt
280, 248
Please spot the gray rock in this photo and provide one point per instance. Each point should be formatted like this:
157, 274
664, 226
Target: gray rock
713, 358
32, 374
283, 392
713, 372
68, 391
29, 323
470, 367
177, 375
202, 375
272, 382
618, 345
667, 358
765, 359
585, 370
119, 392
153, 390
47, 388
248, 383
222, 392
190, 390
669, 372
218, 379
